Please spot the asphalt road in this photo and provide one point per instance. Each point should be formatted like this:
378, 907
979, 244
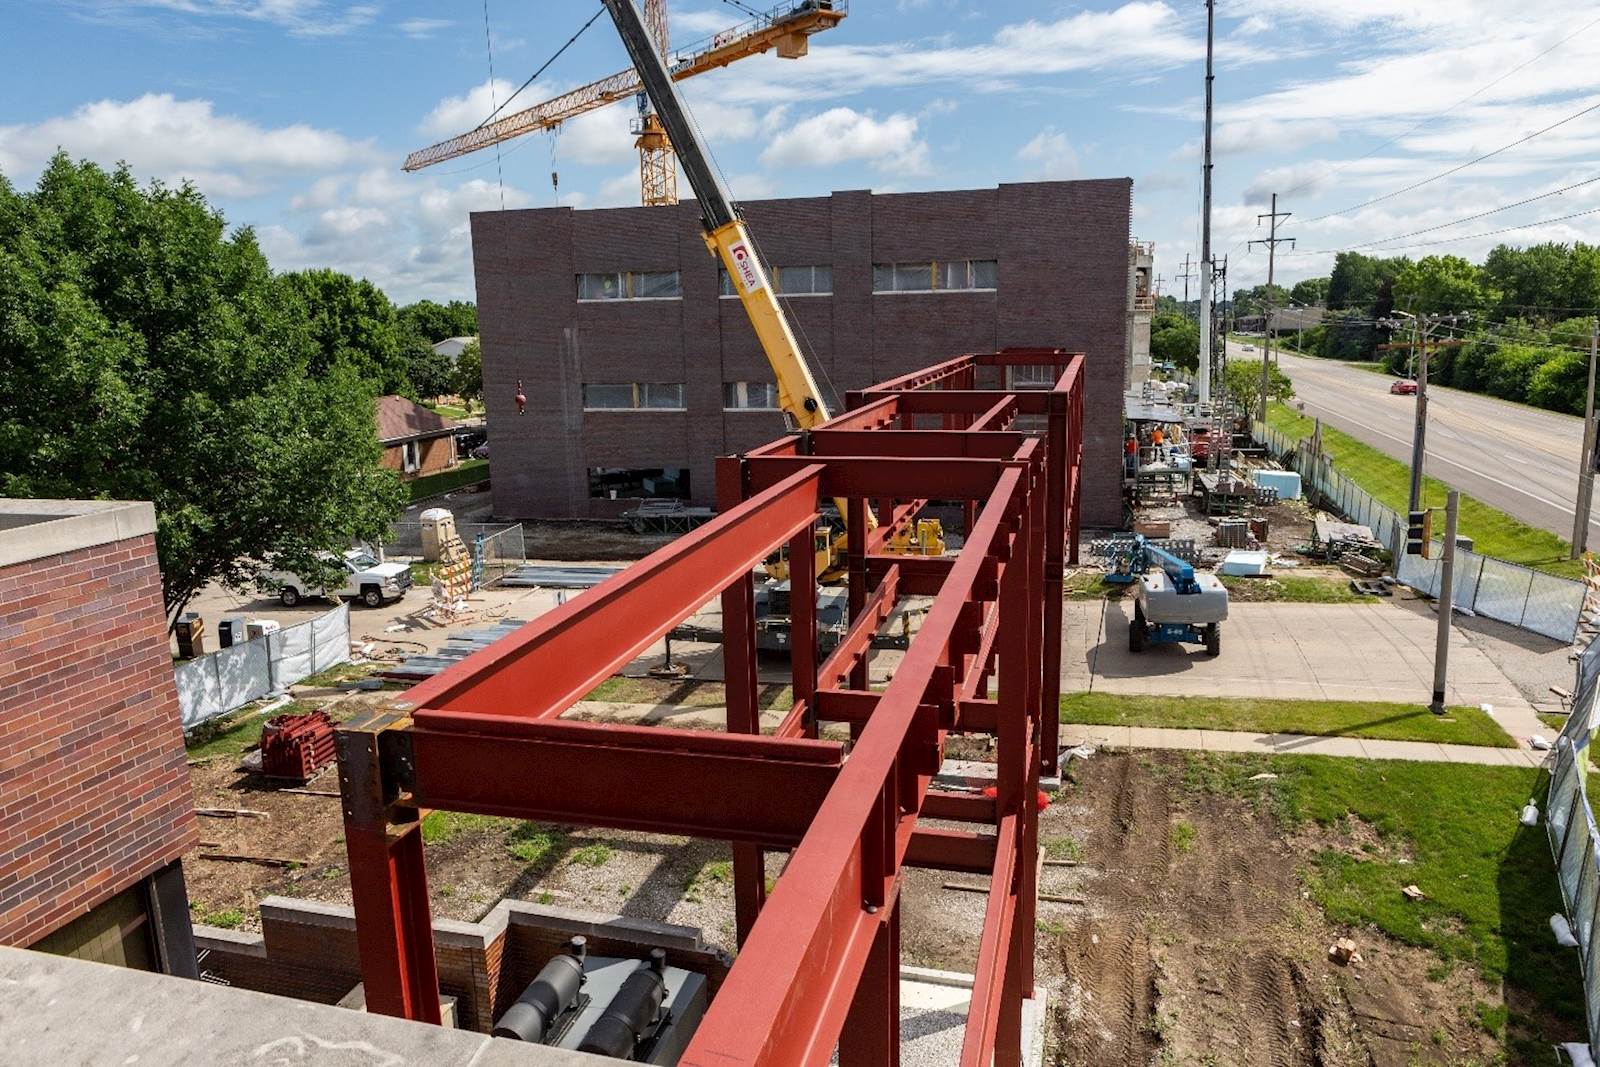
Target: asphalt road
1519, 459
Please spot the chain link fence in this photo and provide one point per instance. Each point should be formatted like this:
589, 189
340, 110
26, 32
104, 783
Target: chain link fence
1494, 588
232, 677
1574, 836
493, 554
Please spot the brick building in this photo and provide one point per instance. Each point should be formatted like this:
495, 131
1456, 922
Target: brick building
415, 441
95, 804
640, 367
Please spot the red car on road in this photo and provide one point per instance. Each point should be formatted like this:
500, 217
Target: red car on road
1404, 387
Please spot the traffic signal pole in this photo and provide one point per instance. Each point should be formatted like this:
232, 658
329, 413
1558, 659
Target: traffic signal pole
1447, 573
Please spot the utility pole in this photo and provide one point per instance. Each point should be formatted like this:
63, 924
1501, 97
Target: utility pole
1159, 279
1186, 275
1272, 242
1205, 220
1580, 523
1419, 431
1447, 573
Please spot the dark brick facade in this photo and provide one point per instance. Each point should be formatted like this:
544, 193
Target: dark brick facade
94, 791
1062, 249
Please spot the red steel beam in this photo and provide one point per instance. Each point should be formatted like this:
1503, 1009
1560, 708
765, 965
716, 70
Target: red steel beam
872, 476
776, 1006
602, 775
552, 663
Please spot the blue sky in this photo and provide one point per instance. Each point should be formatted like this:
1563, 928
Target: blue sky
293, 115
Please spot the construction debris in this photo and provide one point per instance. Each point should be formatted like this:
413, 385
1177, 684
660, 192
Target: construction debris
230, 813
1413, 893
240, 857
1343, 952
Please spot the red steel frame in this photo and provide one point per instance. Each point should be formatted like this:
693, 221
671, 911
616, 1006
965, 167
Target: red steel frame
818, 965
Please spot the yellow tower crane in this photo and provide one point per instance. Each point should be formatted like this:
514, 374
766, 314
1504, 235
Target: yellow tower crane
785, 29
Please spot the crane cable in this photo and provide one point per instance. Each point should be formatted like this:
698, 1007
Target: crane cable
488, 44
534, 76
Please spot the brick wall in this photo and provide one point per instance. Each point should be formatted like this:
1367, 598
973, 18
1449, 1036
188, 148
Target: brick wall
433, 455
94, 791
1063, 254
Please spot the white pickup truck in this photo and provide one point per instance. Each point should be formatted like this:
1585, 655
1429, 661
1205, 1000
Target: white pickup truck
366, 580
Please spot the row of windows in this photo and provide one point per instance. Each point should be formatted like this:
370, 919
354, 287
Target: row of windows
923, 276
668, 396
616, 483
935, 275
787, 281
631, 396
630, 285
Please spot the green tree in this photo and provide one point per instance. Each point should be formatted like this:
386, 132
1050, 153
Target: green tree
1176, 340
1510, 370
432, 374
1243, 378
432, 322
1440, 284
1309, 292
148, 354
469, 374
1364, 283
350, 322
1561, 383
1257, 299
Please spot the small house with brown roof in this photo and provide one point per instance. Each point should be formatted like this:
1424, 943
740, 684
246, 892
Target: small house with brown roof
415, 441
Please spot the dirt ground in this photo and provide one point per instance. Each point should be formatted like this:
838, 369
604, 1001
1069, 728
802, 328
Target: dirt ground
1199, 946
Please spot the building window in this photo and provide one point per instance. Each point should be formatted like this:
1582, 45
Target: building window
634, 396
1030, 377
787, 281
622, 483
749, 396
630, 285
409, 458
935, 276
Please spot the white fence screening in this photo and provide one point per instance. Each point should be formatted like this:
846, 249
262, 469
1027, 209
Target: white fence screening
1574, 837
230, 678
1493, 588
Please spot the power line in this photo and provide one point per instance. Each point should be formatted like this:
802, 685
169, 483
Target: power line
1456, 222
1441, 114
1458, 168
1476, 236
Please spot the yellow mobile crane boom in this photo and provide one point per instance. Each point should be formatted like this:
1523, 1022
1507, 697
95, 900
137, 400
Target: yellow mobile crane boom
725, 232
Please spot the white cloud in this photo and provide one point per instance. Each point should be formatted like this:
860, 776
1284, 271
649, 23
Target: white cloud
162, 136
458, 114
423, 28
1050, 154
688, 25
842, 134
302, 18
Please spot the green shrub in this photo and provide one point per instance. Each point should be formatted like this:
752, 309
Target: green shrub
1560, 383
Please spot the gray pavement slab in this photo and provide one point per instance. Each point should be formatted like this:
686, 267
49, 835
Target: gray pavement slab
1370, 652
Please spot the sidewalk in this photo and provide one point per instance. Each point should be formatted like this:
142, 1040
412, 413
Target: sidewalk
1073, 734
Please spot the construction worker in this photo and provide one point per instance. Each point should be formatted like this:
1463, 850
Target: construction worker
1130, 454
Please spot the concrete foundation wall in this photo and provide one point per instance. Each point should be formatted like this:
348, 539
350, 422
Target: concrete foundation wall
1062, 249
307, 950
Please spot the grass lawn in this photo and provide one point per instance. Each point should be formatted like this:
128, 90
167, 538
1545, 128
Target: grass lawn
450, 411
1283, 588
233, 735
467, 472
1452, 830
1293, 589
1389, 480
1322, 718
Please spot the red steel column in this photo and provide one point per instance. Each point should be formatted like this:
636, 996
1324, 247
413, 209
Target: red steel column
744, 713
1011, 770
394, 930
803, 656
871, 1035
1054, 505
856, 530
